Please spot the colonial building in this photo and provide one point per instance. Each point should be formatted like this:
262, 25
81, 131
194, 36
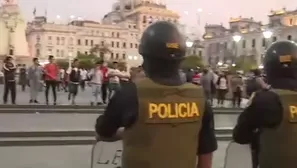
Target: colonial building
119, 32
12, 33
247, 37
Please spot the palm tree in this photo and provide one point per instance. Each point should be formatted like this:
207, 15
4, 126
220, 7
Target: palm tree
100, 50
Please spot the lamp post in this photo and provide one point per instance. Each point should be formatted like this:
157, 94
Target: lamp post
236, 39
267, 34
69, 59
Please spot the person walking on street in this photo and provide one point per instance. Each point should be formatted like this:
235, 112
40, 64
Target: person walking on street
96, 79
222, 89
104, 87
51, 71
83, 77
74, 78
9, 69
236, 84
35, 80
23, 81
114, 80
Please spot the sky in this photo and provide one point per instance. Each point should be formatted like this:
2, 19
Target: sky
213, 11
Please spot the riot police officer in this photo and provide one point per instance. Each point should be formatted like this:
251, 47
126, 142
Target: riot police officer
273, 112
167, 121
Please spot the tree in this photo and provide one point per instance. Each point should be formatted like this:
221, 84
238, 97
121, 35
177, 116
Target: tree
63, 63
192, 62
100, 51
87, 61
245, 63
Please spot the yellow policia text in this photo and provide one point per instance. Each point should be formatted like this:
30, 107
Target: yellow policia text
173, 110
293, 113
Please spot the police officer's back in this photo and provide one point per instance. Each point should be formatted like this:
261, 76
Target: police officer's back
165, 119
274, 112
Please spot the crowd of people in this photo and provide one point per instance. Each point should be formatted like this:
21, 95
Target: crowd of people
224, 85
103, 80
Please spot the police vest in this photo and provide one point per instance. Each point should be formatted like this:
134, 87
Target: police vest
166, 132
278, 146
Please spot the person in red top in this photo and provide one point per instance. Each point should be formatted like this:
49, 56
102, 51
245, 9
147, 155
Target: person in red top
196, 78
104, 87
51, 77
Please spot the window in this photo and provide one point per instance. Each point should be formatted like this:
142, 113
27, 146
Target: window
136, 45
144, 19
63, 41
38, 38
58, 40
11, 51
131, 45
78, 42
118, 35
71, 41
102, 55
124, 45
291, 22
117, 56
263, 42
92, 42
49, 38
118, 44
50, 51
111, 56
124, 56
78, 52
274, 38
102, 43
62, 53
86, 42
86, 52
243, 43
289, 37
200, 53
112, 44
253, 43
58, 53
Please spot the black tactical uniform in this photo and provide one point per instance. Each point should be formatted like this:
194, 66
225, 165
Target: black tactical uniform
273, 112
165, 119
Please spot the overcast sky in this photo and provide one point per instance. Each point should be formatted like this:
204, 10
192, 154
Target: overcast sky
214, 11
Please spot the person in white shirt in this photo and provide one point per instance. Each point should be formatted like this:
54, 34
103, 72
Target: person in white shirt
114, 79
83, 76
73, 80
96, 79
222, 89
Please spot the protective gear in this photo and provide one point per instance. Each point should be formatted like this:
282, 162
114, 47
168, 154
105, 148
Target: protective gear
162, 40
168, 117
281, 60
278, 145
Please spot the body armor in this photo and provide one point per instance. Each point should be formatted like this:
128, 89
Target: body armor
278, 146
167, 130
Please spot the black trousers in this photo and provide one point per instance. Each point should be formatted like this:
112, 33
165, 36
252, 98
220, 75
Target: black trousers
236, 100
9, 86
221, 95
104, 91
53, 85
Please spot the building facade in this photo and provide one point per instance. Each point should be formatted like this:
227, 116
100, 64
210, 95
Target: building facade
246, 37
119, 32
12, 33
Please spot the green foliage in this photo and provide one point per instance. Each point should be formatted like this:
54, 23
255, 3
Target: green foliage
87, 61
63, 63
192, 62
245, 63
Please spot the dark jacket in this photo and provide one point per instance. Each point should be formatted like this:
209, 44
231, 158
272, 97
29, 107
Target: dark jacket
9, 72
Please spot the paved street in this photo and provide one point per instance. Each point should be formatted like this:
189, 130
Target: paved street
83, 98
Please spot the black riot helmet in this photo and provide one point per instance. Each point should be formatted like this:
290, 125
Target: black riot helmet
162, 41
280, 60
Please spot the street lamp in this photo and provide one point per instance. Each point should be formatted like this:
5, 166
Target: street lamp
233, 65
220, 63
236, 38
261, 66
267, 34
189, 44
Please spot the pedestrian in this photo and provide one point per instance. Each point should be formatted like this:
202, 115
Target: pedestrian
114, 80
35, 80
23, 81
96, 79
236, 83
104, 87
74, 78
222, 89
9, 69
206, 82
51, 71
83, 77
